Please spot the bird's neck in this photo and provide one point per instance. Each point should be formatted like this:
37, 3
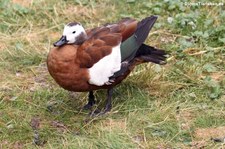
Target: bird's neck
81, 38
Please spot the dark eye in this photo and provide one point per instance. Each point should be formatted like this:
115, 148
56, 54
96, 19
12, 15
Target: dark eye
74, 32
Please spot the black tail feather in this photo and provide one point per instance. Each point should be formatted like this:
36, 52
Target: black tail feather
143, 28
151, 54
146, 53
130, 46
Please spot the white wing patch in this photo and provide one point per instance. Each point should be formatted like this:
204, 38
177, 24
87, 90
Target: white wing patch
106, 67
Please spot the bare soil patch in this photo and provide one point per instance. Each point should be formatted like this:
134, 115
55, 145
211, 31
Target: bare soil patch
24, 3
208, 133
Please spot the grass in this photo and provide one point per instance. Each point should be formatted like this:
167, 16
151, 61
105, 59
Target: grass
156, 107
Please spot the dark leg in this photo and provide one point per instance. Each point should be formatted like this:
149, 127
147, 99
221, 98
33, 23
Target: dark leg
108, 105
91, 101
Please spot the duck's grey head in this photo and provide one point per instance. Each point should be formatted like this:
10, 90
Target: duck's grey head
73, 33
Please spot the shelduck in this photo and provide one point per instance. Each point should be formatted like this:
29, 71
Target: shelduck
102, 57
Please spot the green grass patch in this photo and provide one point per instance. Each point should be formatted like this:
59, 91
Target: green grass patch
155, 107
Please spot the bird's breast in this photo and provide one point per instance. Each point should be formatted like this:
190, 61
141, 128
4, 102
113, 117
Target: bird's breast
66, 72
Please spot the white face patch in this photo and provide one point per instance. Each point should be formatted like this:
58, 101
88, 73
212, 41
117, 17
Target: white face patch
72, 32
101, 71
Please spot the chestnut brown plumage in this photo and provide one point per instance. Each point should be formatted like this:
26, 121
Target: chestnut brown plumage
69, 64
